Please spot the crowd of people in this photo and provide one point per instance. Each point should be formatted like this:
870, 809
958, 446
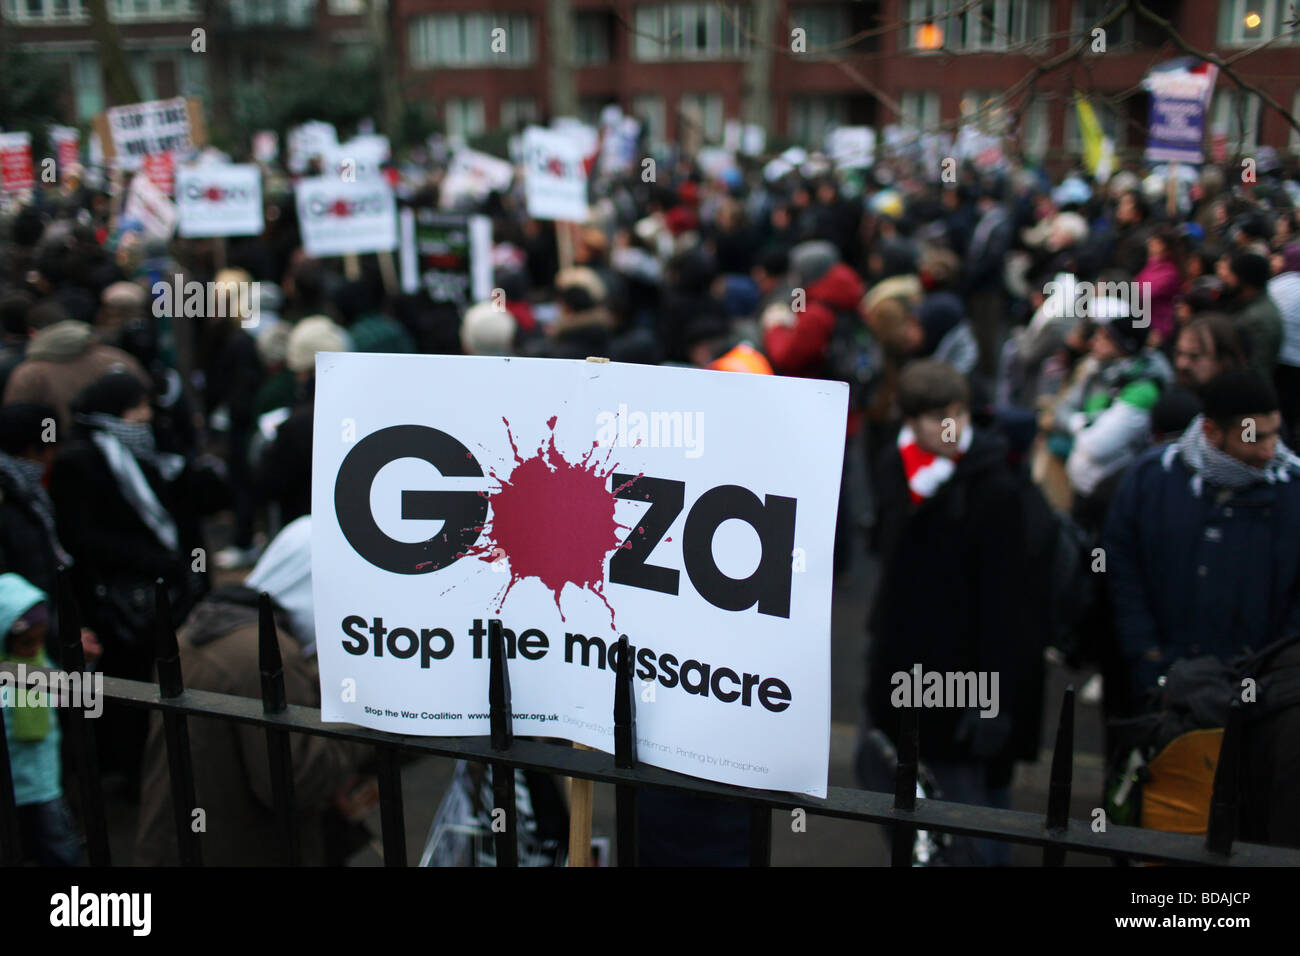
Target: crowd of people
1035, 365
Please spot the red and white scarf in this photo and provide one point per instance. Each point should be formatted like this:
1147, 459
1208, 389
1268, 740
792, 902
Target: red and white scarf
926, 472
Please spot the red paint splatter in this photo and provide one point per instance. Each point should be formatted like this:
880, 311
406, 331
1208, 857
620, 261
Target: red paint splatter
553, 520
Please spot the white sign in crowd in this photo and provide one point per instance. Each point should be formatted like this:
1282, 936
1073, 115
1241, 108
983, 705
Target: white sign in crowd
337, 217
566, 500
151, 207
156, 126
219, 200
555, 175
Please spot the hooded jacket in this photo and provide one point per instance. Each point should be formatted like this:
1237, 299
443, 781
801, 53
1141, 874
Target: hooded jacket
948, 336
800, 348
61, 361
34, 764
218, 651
1109, 417
1195, 569
1259, 323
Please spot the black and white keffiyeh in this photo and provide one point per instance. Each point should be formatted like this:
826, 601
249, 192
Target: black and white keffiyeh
1221, 470
26, 475
124, 445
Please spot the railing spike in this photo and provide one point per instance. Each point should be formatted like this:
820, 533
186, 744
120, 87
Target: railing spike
1062, 779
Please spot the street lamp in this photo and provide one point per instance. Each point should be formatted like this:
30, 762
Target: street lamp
1252, 21
929, 36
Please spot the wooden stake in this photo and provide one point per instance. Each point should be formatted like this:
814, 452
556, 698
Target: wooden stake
352, 266
564, 241
388, 272
580, 801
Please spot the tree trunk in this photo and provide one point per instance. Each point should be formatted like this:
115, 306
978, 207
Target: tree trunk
756, 106
379, 20
218, 60
560, 91
119, 84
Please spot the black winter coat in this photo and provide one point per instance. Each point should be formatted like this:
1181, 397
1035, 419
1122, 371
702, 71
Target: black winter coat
952, 597
284, 473
111, 544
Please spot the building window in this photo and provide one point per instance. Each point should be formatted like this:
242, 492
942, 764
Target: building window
45, 11
347, 8
811, 116
1087, 13
691, 31
464, 117
466, 39
920, 110
1236, 115
591, 39
824, 24
652, 113
974, 26
706, 109
986, 110
517, 112
89, 83
285, 13
1248, 22
1035, 129
129, 11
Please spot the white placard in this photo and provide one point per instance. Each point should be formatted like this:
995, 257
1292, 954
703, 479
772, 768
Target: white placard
219, 200
156, 126
150, 206
576, 503
555, 177
472, 175
361, 157
852, 147
754, 141
310, 140
266, 146
336, 217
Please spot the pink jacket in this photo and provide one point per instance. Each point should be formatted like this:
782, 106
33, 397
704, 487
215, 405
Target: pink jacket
1165, 283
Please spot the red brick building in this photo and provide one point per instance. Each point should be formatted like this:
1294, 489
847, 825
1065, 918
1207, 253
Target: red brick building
721, 65
242, 40
791, 66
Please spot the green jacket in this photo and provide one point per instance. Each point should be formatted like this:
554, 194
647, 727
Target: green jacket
1259, 323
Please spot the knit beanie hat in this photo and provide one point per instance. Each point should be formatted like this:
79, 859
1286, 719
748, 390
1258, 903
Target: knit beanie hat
1130, 337
487, 330
316, 333
111, 394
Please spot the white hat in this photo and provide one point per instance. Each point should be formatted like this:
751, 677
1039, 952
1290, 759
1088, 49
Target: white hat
316, 333
487, 330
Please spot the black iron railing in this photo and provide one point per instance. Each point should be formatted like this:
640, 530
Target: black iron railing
901, 812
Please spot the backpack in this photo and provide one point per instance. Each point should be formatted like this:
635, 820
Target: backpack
853, 356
